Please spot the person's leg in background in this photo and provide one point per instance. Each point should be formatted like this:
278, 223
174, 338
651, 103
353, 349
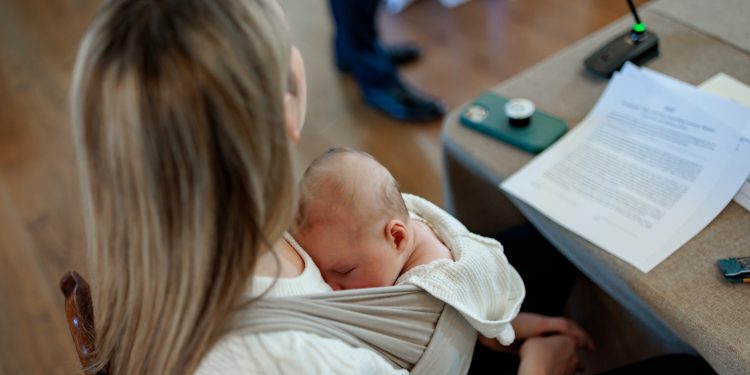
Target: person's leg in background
359, 51
547, 274
666, 364
549, 278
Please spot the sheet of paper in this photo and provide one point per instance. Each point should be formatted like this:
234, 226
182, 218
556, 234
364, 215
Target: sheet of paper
726, 112
727, 87
643, 173
730, 88
710, 98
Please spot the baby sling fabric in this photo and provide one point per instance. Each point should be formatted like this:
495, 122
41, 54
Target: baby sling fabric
404, 324
479, 283
429, 324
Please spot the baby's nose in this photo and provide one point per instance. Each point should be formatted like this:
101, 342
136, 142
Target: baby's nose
336, 286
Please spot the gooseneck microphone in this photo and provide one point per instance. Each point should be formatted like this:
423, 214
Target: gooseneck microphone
635, 12
637, 45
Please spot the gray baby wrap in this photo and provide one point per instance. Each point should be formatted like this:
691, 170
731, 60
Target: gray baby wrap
404, 324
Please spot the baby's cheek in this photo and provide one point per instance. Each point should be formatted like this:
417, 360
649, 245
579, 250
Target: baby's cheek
371, 281
332, 283
349, 282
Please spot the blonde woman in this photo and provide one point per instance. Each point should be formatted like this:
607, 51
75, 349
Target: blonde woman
184, 113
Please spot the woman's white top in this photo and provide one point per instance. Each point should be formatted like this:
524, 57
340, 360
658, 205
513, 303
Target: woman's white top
291, 352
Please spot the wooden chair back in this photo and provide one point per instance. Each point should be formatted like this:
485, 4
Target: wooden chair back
80, 314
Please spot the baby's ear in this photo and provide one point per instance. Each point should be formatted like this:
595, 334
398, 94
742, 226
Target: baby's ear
396, 234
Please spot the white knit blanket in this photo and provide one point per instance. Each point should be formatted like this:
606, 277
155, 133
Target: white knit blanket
480, 283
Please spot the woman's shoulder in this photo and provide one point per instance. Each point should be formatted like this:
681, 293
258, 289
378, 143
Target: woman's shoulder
290, 352
308, 281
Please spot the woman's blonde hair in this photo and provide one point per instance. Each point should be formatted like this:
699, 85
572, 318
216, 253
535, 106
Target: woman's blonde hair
178, 115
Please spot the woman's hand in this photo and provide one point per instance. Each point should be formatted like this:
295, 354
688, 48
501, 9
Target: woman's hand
549, 355
529, 325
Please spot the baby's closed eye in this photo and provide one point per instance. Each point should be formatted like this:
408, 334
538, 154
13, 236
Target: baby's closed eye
344, 271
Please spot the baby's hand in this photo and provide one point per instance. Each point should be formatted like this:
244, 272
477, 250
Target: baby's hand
528, 325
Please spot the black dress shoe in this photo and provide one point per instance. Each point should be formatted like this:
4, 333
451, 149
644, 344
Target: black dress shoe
403, 53
399, 54
402, 102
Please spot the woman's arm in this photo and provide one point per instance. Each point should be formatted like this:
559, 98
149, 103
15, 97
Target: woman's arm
549, 355
528, 325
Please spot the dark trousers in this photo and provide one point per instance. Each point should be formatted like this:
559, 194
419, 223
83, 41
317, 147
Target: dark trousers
547, 274
549, 277
486, 362
357, 43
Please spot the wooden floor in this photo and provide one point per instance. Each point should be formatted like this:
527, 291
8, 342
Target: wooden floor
468, 49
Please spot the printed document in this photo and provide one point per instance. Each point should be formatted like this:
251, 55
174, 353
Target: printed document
730, 88
649, 167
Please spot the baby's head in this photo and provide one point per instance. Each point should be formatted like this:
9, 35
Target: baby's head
352, 220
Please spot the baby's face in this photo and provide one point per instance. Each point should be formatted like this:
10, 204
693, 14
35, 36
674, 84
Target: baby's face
347, 262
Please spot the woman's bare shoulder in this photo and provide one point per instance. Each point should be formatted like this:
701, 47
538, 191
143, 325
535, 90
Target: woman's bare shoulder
292, 264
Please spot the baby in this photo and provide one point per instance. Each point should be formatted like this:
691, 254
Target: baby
362, 232
354, 223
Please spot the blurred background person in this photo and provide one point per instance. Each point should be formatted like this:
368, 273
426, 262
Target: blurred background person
359, 51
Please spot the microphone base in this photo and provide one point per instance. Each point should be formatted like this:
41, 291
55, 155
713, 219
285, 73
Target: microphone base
613, 55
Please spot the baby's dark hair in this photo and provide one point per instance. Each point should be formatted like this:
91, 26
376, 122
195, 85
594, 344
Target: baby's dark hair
323, 178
